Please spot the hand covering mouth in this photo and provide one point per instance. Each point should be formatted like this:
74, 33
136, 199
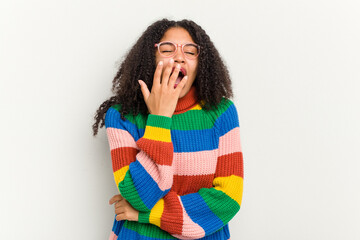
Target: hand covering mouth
182, 74
182, 71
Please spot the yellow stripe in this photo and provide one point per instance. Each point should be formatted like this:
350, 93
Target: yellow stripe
119, 175
196, 107
156, 212
158, 134
231, 185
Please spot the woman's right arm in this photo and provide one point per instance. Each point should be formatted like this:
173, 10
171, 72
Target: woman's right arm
142, 166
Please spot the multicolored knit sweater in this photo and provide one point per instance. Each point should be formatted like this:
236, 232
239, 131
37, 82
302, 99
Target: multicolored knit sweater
183, 174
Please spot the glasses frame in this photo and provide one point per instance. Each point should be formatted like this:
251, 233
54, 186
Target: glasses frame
176, 48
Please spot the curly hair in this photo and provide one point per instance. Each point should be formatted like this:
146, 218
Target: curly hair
212, 81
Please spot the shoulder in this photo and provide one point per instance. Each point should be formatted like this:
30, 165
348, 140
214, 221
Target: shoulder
115, 119
225, 104
222, 107
227, 109
112, 116
226, 116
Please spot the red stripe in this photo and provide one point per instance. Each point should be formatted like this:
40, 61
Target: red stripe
160, 152
123, 156
191, 184
230, 164
172, 217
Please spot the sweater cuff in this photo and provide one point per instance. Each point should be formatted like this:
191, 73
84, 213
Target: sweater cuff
158, 128
159, 121
144, 217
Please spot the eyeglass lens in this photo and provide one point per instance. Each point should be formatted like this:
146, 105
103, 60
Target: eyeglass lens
168, 49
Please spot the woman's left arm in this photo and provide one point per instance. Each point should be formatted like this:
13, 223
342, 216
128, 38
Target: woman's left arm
202, 213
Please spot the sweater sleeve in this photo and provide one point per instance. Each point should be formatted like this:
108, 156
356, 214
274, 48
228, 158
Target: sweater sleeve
202, 213
142, 166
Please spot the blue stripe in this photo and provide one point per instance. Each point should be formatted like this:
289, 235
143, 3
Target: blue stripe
227, 121
146, 187
117, 225
128, 234
194, 140
125, 233
113, 120
200, 213
191, 140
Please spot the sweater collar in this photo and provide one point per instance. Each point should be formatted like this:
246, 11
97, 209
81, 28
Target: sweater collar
187, 102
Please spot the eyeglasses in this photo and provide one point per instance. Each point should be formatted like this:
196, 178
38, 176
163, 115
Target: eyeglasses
169, 49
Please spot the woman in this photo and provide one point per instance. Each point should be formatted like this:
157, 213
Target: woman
175, 150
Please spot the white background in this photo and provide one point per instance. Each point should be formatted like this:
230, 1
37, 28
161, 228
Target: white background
295, 71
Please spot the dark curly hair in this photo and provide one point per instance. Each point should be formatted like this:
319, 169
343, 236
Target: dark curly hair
212, 81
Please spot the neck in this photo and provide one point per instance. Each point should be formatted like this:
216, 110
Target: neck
187, 102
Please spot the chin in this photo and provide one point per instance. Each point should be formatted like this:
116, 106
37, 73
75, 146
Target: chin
183, 92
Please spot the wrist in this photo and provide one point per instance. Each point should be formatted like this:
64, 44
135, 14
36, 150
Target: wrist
162, 114
161, 121
143, 217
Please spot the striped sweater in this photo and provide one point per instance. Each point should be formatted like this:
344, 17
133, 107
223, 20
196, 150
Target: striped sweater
183, 174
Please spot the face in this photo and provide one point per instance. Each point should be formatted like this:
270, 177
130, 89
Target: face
180, 36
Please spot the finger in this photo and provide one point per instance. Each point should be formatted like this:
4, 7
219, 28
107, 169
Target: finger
181, 85
144, 89
167, 72
121, 216
119, 210
157, 74
115, 198
174, 76
120, 203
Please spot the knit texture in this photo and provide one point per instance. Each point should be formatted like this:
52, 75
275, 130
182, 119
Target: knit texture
183, 174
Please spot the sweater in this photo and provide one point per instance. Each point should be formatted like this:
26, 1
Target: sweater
183, 174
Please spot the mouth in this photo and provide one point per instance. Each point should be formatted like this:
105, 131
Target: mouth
182, 74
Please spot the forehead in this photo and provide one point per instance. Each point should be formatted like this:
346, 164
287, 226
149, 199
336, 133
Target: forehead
177, 35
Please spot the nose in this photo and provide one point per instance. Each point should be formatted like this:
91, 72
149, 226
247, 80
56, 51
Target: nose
179, 56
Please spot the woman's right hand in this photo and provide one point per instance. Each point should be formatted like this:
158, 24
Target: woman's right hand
163, 97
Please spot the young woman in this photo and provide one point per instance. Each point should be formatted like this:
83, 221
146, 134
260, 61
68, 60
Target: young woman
174, 138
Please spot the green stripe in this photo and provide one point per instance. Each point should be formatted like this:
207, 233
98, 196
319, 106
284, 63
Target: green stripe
144, 217
138, 119
159, 121
148, 230
189, 120
129, 192
220, 203
222, 107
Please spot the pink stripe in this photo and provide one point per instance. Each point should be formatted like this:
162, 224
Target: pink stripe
162, 174
230, 142
190, 229
120, 138
195, 163
113, 236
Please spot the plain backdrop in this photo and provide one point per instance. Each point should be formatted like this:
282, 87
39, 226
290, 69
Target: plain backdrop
295, 71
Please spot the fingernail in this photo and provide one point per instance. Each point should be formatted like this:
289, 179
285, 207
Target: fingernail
139, 82
161, 63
